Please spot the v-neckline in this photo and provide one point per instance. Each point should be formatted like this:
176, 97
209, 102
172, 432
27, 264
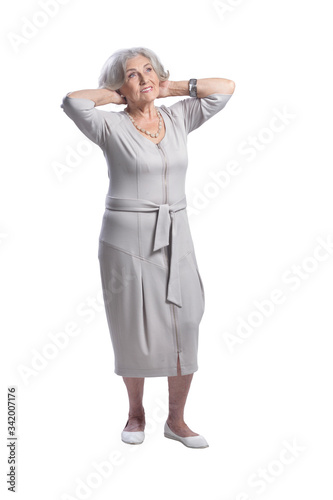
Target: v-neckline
146, 138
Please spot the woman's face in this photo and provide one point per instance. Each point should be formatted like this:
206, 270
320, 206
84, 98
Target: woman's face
140, 75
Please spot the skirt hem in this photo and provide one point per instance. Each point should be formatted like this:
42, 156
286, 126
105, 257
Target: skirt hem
163, 372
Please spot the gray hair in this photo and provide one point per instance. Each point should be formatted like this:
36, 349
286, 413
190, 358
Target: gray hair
113, 72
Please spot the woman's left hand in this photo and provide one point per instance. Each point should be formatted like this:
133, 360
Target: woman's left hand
164, 89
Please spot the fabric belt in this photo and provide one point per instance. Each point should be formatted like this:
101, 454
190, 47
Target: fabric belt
162, 231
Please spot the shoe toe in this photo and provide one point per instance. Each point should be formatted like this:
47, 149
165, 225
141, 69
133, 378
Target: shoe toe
132, 437
190, 441
195, 442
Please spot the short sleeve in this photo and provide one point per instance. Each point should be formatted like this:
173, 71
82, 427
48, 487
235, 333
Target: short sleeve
197, 110
91, 121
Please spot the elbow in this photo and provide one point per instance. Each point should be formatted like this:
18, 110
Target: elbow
232, 86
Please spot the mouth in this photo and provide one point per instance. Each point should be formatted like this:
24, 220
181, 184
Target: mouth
146, 90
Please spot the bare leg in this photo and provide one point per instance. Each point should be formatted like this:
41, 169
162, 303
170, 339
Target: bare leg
179, 386
136, 414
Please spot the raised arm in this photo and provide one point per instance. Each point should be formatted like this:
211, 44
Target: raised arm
205, 87
212, 96
80, 106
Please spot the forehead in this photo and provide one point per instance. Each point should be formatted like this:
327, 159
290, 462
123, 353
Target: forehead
137, 61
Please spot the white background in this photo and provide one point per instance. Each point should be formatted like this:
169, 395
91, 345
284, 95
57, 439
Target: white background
274, 387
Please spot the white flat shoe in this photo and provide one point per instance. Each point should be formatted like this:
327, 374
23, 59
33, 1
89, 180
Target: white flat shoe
135, 437
190, 442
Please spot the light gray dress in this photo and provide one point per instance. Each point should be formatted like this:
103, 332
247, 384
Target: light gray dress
153, 293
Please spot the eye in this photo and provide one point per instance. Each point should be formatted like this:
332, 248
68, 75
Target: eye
131, 75
149, 69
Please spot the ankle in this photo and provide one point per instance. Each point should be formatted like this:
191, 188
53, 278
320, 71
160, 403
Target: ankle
137, 413
177, 421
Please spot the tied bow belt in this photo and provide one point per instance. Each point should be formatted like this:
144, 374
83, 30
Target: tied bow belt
162, 231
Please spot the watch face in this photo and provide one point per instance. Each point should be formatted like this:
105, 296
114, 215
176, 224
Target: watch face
193, 87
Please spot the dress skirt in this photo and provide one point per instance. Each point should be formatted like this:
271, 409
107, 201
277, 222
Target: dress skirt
147, 331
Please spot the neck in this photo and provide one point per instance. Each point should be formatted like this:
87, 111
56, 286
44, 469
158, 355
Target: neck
145, 111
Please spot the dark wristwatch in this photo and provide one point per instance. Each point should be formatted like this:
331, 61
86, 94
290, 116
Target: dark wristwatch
192, 87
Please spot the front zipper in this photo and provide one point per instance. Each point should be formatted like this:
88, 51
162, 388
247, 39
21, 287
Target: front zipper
165, 172
166, 201
165, 193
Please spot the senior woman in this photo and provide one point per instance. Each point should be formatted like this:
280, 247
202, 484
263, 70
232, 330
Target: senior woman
153, 293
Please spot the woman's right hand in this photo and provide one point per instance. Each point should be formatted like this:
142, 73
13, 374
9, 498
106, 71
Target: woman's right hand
117, 99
